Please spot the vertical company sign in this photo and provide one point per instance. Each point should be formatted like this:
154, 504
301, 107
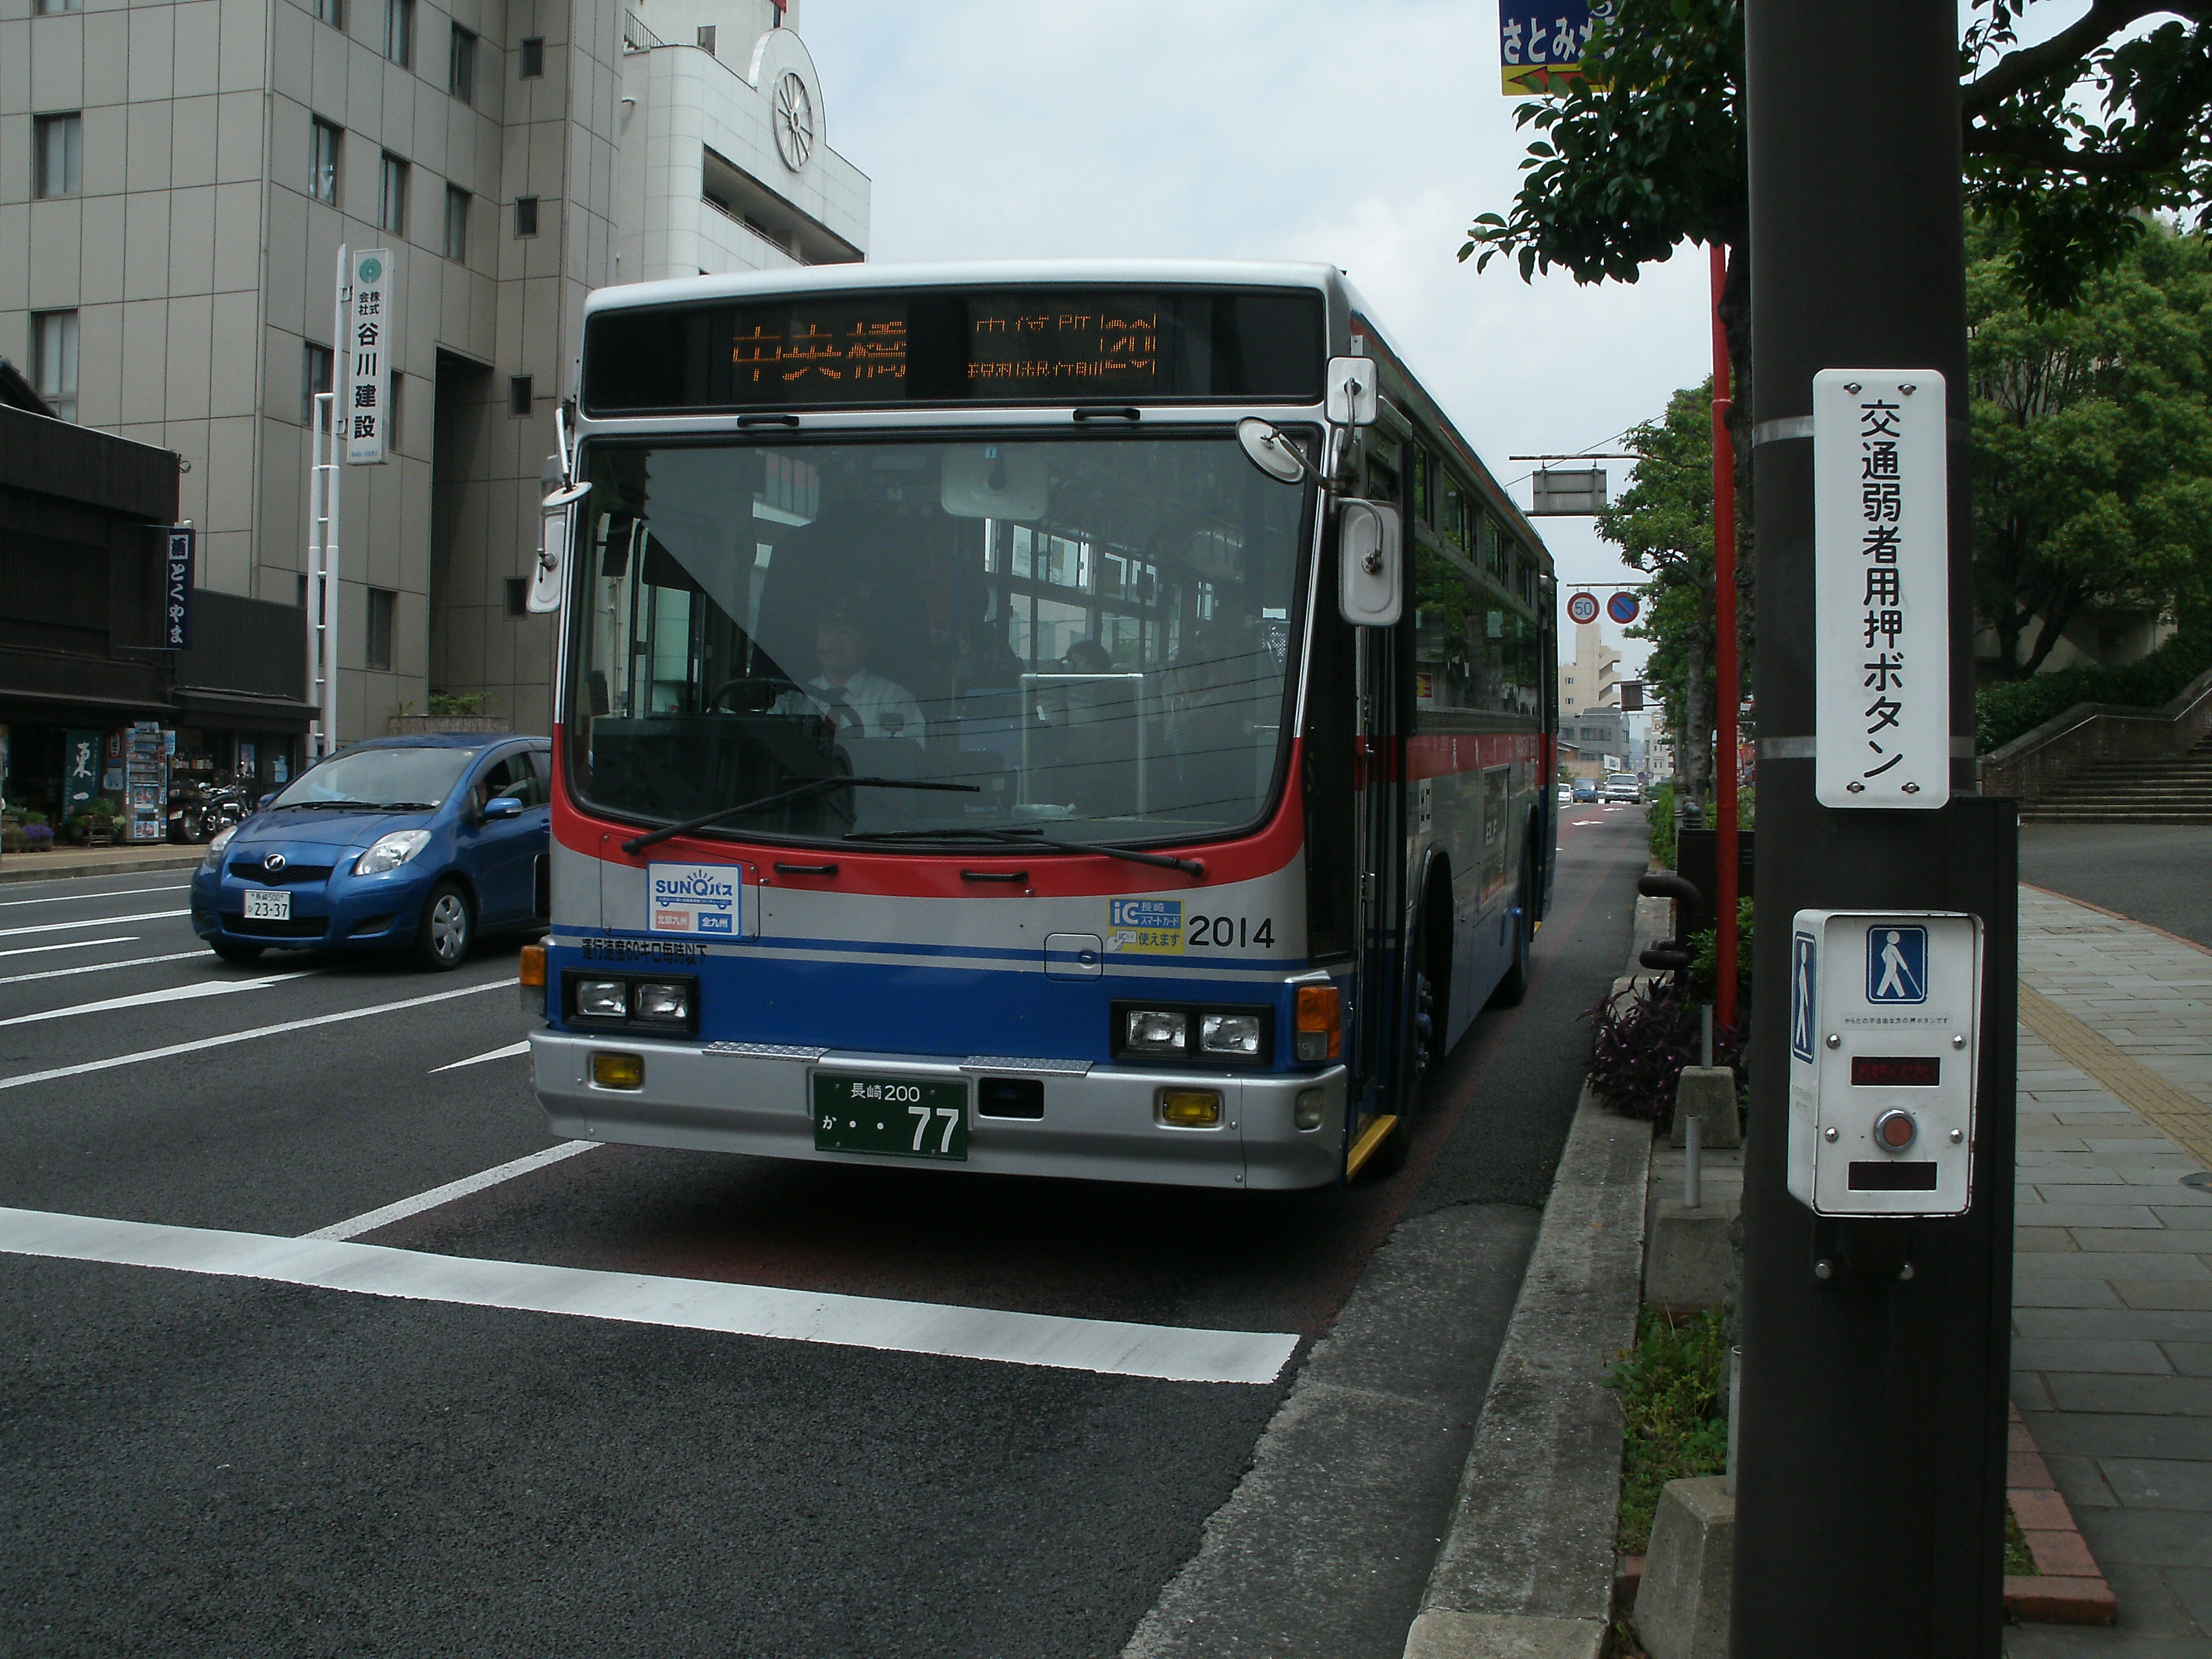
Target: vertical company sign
177, 589
369, 340
1882, 589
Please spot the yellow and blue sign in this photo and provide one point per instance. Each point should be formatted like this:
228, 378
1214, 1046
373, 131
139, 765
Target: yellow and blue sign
1145, 927
1539, 51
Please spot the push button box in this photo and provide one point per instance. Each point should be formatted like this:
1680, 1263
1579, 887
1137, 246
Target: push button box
1884, 1029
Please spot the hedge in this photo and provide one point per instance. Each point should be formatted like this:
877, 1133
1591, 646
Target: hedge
2007, 708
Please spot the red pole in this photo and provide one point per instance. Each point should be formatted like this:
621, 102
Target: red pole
1724, 667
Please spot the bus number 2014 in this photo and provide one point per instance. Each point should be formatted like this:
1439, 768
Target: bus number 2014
1231, 932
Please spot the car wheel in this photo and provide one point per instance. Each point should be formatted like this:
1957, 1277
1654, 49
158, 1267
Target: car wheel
442, 937
231, 951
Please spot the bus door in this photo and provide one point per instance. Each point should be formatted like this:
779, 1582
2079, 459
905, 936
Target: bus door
1379, 832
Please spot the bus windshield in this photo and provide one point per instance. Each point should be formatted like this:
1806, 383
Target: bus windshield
1089, 637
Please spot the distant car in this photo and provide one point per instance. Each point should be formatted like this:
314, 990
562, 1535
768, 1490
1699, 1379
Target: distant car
1585, 789
418, 843
1566, 794
1622, 787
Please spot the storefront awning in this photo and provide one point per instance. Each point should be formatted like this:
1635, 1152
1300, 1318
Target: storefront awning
202, 706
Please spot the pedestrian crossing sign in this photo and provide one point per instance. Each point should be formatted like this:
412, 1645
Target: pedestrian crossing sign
1804, 998
1896, 965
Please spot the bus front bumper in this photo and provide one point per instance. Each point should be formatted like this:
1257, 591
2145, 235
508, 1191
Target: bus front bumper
1099, 1123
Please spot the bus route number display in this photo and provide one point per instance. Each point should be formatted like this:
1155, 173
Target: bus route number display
1073, 346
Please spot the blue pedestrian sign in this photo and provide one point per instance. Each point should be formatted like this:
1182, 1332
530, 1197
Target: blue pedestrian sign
1896, 965
1804, 1004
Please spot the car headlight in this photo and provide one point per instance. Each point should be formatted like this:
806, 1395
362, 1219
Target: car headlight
391, 852
212, 858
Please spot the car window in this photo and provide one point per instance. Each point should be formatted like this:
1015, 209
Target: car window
511, 778
541, 768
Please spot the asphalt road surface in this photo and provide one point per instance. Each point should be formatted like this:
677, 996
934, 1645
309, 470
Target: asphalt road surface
201, 1454
2161, 873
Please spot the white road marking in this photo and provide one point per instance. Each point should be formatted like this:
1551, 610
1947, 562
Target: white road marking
373, 1219
98, 967
1172, 1353
93, 921
88, 898
173, 993
507, 1053
230, 1038
69, 944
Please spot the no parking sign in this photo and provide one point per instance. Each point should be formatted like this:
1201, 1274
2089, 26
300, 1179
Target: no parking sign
1622, 608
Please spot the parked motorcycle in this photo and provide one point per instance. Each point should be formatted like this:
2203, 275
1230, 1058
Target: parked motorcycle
198, 812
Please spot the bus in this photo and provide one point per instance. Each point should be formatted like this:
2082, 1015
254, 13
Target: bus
1086, 720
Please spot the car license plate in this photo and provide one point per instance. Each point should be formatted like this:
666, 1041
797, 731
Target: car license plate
903, 1117
268, 904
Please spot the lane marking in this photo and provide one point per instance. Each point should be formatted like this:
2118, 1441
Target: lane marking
371, 1220
59, 1071
507, 1053
88, 898
174, 993
91, 968
95, 921
1111, 1348
69, 944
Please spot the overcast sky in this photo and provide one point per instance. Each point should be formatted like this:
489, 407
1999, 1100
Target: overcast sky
1363, 134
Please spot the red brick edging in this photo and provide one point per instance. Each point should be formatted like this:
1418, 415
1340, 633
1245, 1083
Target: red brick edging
2069, 1588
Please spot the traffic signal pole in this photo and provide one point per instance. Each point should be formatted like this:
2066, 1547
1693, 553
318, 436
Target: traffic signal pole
1871, 1417
1726, 865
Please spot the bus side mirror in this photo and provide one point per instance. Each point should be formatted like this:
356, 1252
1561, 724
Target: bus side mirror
555, 527
1354, 390
1371, 586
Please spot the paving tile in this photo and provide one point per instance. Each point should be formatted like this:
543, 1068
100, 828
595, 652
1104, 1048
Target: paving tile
2093, 1642
2074, 1186
2130, 1217
2189, 1358
2043, 1239
2161, 1293
2144, 1358
2064, 1293
2192, 1588
2147, 1538
2149, 1602
2110, 1264
2083, 1482
2172, 1397
2114, 1434
2119, 1324
2185, 1217
2148, 1241
2029, 1392
2159, 1483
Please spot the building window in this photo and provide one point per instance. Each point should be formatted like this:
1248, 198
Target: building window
461, 66
707, 38
53, 368
323, 180
400, 31
534, 57
517, 596
49, 8
314, 377
391, 196
525, 215
391, 402
61, 156
331, 11
379, 628
457, 223
518, 395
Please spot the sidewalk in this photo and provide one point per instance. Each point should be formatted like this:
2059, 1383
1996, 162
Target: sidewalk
64, 861
2113, 1269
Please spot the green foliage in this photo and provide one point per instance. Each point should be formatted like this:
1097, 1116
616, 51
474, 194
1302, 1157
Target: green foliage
449, 702
1705, 966
1673, 1413
2019, 1559
2009, 708
98, 808
1660, 815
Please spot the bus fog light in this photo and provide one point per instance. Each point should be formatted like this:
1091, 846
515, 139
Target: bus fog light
1229, 1033
619, 1071
1191, 1109
669, 1002
1306, 1113
1153, 1031
602, 999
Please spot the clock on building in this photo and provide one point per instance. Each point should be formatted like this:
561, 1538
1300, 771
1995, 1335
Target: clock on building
794, 121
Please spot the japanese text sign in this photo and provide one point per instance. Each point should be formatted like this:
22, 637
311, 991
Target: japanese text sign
365, 388
1882, 589
1539, 48
177, 589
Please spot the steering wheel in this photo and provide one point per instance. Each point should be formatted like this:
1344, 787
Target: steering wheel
772, 685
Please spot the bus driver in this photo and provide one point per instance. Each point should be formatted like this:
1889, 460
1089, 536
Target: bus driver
861, 704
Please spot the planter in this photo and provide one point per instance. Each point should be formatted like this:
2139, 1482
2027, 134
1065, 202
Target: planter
403, 725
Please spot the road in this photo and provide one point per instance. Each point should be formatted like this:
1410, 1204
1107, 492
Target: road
203, 1457
2161, 873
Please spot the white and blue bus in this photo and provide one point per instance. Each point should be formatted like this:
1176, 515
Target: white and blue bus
1058, 718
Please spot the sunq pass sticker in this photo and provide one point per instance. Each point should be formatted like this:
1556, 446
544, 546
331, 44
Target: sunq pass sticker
1145, 927
705, 900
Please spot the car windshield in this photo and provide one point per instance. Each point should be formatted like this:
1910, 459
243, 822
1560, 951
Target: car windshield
379, 777
1087, 638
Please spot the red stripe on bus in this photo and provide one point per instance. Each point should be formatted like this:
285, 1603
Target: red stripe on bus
1441, 755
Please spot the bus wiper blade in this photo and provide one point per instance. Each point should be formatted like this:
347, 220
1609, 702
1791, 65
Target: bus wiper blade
637, 844
1028, 836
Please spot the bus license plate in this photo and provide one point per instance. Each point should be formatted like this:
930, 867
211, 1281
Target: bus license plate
903, 1117
264, 904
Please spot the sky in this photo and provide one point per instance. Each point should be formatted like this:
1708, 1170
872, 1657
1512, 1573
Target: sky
1366, 135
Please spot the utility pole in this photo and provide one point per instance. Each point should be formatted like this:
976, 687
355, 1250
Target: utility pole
1871, 1416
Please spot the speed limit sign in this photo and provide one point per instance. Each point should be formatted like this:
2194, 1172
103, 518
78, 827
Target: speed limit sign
1583, 608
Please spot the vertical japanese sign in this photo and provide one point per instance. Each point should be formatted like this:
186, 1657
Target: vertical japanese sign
1539, 47
367, 350
1882, 589
177, 589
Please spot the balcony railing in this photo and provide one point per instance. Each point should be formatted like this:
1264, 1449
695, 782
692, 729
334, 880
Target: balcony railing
636, 36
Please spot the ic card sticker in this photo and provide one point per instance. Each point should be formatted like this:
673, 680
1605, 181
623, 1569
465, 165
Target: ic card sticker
1145, 927
704, 900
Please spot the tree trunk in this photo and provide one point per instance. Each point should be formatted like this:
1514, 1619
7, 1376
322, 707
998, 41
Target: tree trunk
1694, 743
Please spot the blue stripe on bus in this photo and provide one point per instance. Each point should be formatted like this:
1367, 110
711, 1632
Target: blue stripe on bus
1028, 955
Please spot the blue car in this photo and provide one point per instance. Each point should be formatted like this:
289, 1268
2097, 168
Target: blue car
416, 843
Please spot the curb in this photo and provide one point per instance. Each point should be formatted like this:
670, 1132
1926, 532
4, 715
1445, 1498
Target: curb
2069, 1588
12, 866
1527, 1567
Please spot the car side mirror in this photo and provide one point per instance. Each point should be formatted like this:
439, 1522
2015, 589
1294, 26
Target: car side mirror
265, 801
501, 806
1371, 592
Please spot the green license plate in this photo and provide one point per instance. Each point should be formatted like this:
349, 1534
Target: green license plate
904, 1117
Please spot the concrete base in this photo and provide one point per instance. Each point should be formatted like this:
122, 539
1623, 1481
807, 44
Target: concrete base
1689, 1264
1709, 1092
1682, 1604
1438, 1635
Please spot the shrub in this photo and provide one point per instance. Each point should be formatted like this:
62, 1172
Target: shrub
2009, 708
38, 837
1641, 1040
1661, 817
1703, 973
1674, 1415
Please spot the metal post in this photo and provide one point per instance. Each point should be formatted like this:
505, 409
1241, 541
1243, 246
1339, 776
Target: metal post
1694, 1167
1726, 692
1872, 1417
326, 461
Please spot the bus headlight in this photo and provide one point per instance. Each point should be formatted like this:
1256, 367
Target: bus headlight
1155, 1032
1229, 1033
602, 999
654, 1000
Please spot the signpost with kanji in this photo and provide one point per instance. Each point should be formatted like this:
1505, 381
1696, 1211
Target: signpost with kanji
364, 412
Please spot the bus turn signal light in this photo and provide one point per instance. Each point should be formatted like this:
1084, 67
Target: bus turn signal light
534, 965
1320, 1023
611, 1070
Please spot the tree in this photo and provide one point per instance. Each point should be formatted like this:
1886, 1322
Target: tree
1663, 526
2092, 441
